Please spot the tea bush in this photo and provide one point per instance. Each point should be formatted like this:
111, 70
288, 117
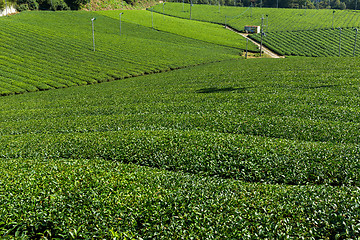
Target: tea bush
46, 50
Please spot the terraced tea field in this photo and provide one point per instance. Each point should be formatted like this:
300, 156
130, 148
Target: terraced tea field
257, 148
318, 43
47, 50
278, 19
299, 32
203, 31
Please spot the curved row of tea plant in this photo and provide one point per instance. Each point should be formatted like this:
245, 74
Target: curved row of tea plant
245, 125
207, 123
247, 158
203, 31
46, 50
80, 199
259, 120
318, 43
277, 20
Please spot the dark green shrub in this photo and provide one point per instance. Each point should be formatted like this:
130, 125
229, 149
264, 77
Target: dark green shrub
24, 5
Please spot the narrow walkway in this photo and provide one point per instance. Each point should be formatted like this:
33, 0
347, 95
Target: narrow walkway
264, 49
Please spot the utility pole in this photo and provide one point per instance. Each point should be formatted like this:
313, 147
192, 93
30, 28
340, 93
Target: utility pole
190, 8
355, 41
120, 22
152, 18
261, 32
251, 10
247, 40
92, 23
163, 10
339, 42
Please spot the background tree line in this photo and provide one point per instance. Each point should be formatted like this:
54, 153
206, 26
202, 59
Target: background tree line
309, 4
23, 5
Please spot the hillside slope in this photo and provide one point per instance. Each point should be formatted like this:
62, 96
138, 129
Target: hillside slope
217, 150
46, 50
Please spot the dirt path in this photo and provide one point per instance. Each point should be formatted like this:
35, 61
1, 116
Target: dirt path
266, 51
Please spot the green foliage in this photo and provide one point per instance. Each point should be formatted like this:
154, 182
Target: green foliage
220, 124
206, 32
278, 19
319, 43
299, 32
81, 199
293, 122
24, 5
46, 50
236, 149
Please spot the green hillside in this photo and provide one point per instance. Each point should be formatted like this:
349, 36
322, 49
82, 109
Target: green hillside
46, 50
317, 43
203, 31
277, 20
299, 32
193, 141
258, 148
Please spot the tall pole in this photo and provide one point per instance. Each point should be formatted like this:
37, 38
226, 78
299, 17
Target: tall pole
261, 32
92, 23
120, 23
251, 10
333, 20
152, 18
355, 41
190, 8
163, 10
340, 42
247, 40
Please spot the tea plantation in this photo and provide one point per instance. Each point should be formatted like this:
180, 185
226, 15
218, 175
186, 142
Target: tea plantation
278, 19
203, 31
239, 149
47, 50
298, 32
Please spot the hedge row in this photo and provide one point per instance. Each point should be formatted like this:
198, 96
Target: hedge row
82, 199
46, 50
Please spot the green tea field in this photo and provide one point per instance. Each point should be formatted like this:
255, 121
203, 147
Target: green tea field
297, 32
277, 19
181, 137
47, 50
